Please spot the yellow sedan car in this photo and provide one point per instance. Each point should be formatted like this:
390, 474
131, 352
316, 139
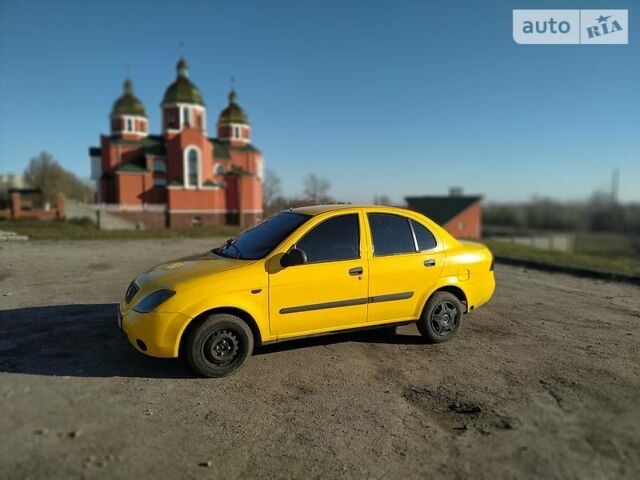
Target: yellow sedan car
307, 271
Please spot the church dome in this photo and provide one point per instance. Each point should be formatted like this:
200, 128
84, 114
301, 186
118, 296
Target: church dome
182, 90
233, 113
128, 103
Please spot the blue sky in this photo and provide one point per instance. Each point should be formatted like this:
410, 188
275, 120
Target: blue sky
396, 98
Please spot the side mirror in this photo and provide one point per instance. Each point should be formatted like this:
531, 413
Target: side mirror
293, 257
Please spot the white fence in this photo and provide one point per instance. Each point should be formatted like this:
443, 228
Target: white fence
117, 207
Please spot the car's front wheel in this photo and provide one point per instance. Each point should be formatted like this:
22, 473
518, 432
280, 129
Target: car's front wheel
441, 318
219, 346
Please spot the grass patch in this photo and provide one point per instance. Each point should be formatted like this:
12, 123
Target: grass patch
628, 265
59, 230
610, 244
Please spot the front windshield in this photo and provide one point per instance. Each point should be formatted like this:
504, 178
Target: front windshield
259, 241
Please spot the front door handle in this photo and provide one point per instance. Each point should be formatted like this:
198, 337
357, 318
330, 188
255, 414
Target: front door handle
355, 271
430, 263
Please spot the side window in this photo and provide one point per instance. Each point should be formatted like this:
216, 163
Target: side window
337, 238
425, 239
391, 234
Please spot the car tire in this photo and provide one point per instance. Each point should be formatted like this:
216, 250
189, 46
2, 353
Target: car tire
219, 345
441, 318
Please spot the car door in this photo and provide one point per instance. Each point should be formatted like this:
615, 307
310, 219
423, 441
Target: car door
406, 260
330, 290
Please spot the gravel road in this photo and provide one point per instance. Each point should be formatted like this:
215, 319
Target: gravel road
543, 382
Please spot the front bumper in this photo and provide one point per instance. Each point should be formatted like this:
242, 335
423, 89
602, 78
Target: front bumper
158, 332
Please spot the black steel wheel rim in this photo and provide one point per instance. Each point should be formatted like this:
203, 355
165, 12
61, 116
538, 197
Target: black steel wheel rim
444, 318
222, 347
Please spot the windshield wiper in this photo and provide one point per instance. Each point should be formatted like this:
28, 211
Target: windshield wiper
229, 243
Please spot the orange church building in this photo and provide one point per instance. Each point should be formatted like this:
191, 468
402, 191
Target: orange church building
182, 177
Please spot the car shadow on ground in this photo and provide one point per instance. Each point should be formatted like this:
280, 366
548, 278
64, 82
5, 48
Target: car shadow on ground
382, 335
84, 341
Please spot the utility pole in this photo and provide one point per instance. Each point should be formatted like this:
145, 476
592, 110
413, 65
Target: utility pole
615, 185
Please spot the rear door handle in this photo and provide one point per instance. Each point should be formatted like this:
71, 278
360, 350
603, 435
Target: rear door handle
355, 271
430, 263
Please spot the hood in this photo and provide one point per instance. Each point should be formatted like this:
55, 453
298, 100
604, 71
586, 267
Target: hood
171, 273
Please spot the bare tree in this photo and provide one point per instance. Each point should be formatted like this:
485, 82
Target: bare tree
381, 200
271, 188
316, 189
46, 174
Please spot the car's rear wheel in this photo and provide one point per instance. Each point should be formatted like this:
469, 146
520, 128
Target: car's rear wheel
219, 345
441, 318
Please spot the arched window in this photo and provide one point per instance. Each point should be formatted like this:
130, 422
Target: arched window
186, 118
260, 169
192, 168
129, 125
236, 132
218, 169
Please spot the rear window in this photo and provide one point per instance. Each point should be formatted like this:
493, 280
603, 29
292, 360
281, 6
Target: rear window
391, 234
425, 239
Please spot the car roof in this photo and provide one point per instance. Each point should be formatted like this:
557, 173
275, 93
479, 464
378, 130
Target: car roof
318, 209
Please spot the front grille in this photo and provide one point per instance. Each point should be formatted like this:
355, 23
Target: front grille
131, 291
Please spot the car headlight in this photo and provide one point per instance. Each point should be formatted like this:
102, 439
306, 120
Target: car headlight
151, 301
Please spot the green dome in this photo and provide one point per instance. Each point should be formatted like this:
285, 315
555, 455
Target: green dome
233, 113
182, 90
128, 103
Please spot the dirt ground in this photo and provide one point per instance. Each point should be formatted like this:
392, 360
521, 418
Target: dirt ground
543, 382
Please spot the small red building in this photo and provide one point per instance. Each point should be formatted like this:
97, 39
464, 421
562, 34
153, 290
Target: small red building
460, 215
181, 177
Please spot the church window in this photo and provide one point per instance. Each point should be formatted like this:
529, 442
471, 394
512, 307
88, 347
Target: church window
159, 166
192, 168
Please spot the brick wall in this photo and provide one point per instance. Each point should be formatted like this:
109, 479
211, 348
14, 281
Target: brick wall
186, 220
150, 220
467, 224
21, 209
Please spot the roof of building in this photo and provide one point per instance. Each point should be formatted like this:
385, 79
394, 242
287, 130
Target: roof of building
222, 150
135, 166
152, 144
441, 209
128, 103
182, 90
155, 145
233, 113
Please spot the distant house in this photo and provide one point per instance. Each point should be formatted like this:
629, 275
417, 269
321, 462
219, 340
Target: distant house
460, 215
